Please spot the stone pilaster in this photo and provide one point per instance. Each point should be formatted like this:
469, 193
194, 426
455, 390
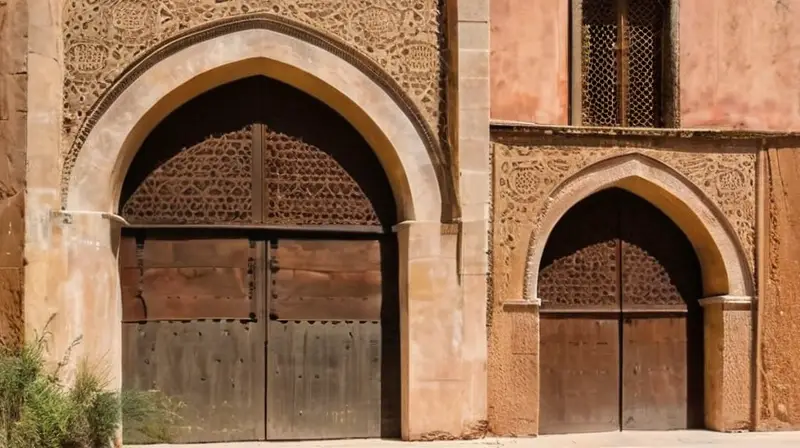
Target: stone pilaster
728, 362
469, 121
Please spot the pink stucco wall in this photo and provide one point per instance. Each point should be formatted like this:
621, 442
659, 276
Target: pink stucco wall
529, 60
740, 64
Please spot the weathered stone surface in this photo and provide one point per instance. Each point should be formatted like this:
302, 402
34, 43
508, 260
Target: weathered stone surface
11, 324
12, 231
728, 367
13, 120
780, 322
14, 30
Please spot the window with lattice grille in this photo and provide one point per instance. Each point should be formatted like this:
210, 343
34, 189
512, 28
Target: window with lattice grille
622, 69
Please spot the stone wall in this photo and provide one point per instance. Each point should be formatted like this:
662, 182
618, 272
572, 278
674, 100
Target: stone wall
13, 123
780, 322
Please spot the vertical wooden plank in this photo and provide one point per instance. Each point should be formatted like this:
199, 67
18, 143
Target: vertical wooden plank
579, 365
325, 371
579, 326
661, 385
280, 379
654, 372
215, 368
324, 380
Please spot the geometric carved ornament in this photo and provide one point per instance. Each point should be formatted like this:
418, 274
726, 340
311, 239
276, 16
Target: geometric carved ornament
102, 39
212, 182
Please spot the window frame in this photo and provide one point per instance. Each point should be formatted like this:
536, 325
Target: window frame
670, 79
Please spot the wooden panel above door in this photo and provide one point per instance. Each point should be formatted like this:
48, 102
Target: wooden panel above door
334, 280
190, 279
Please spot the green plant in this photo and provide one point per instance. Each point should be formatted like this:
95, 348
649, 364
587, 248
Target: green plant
149, 416
38, 411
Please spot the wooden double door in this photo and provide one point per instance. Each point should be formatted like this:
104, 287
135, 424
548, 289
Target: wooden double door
621, 329
264, 337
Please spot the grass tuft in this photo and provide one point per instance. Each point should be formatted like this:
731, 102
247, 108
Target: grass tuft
38, 411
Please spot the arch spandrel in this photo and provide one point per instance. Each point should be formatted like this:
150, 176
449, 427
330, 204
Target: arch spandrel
102, 40
384, 123
723, 262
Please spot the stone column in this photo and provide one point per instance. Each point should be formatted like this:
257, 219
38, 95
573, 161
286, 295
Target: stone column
431, 327
88, 285
469, 112
516, 405
728, 362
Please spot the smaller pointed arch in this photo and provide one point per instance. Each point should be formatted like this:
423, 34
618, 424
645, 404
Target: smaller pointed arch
725, 270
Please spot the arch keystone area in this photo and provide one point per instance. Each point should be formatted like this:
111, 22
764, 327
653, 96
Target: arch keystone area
723, 262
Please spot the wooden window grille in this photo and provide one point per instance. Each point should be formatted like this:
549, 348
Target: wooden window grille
622, 70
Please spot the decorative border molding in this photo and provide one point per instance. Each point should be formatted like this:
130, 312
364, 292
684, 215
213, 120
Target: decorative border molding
168, 47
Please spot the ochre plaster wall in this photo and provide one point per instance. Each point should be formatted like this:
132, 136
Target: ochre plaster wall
780, 324
528, 63
13, 122
738, 64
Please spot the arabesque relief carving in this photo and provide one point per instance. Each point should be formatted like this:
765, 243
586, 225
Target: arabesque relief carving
103, 37
303, 185
212, 181
208, 183
525, 176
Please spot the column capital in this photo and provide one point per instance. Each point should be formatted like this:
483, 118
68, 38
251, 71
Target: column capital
727, 300
531, 303
67, 216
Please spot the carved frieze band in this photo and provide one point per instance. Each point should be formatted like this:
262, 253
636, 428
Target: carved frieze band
110, 43
526, 176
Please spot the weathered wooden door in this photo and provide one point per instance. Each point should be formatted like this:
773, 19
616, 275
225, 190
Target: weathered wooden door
259, 275
579, 287
621, 330
190, 330
325, 343
280, 339
662, 328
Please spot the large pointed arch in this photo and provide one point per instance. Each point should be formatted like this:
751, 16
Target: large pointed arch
95, 171
238, 50
723, 262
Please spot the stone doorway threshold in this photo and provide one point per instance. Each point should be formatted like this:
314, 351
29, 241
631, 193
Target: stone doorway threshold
628, 439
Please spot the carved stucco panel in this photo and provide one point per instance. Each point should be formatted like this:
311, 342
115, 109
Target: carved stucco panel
103, 37
526, 176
